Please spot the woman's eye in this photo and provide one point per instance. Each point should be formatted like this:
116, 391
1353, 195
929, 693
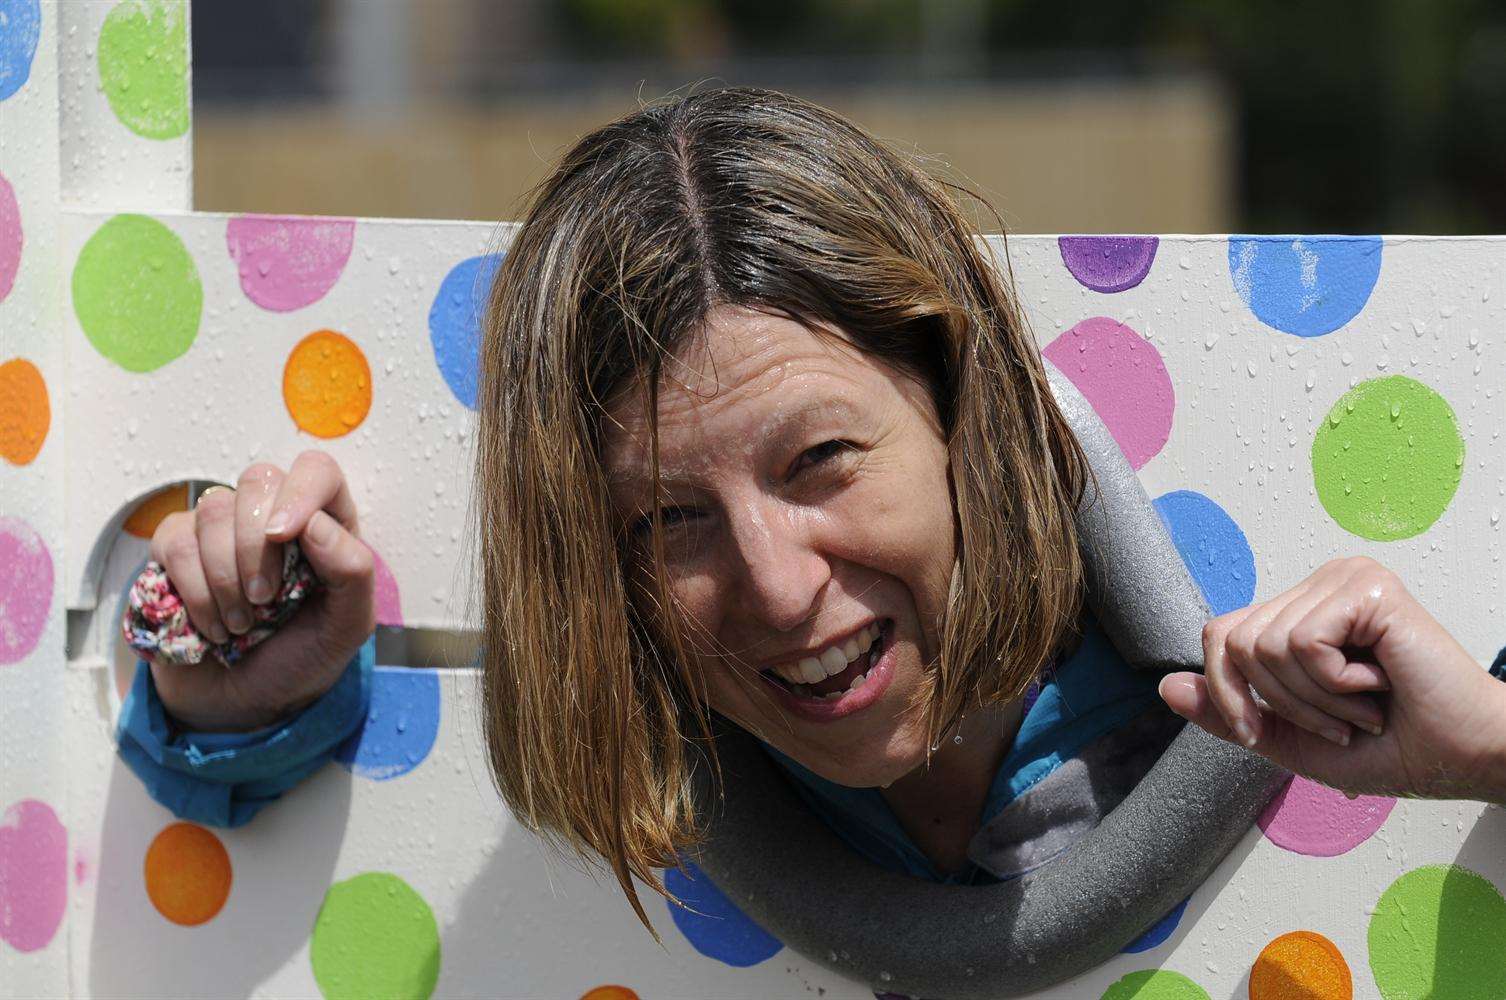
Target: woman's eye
672, 517
820, 453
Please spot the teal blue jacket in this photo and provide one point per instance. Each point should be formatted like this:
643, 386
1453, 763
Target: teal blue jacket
223, 779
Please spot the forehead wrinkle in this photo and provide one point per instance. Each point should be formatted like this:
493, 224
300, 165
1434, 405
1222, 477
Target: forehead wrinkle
712, 382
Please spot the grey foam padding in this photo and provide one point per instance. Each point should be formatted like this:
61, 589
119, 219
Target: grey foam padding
1138, 585
788, 871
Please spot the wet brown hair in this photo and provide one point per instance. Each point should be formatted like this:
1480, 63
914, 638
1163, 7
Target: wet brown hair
592, 714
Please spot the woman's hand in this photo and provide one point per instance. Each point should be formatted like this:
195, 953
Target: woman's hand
216, 556
1363, 690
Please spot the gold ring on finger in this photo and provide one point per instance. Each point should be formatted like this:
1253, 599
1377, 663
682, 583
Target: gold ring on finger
211, 489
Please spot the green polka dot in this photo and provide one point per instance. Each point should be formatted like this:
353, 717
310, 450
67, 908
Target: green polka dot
143, 67
136, 293
375, 937
1387, 458
1153, 984
1439, 932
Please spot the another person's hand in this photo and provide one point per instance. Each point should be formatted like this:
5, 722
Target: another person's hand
213, 553
1363, 690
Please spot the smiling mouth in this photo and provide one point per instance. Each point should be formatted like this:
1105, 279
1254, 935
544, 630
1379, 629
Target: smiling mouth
852, 676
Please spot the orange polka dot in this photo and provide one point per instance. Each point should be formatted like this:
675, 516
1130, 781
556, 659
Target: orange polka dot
609, 993
25, 414
1301, 965
187, 874
326, 384
150, 511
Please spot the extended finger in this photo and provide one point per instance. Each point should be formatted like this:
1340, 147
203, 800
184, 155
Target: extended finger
1187, 695
259, 558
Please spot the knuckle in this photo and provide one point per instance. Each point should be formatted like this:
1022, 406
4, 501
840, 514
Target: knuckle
181, 547
1304, 637
258, 472
222, 582
1241, 643
1270, 646
318, 458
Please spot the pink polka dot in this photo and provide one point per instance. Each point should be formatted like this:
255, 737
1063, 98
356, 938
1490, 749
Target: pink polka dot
10, 238
288, 262
389, 605
1308, 818
25, 588
33, 874
1123, 376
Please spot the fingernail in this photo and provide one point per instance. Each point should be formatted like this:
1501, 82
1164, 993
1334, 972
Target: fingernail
1338, 736
259, 590
237, 620
1242, 730
278, 523
1373, 728
219, 635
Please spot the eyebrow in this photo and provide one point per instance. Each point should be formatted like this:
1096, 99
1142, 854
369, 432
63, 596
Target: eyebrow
799, 416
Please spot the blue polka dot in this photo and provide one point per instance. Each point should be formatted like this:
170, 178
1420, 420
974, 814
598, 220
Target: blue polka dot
20, 27
717, 928
1158, 932
1306, 285
401, 724
1212, 546
455, 323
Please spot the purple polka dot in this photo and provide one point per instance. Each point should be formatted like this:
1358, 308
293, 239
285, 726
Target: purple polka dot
1108, 263
25, 588
1308, 818
10, 237
287, 262
1123, 376
33, 875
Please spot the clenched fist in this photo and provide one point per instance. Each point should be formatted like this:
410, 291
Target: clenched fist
226, 555
1359, 688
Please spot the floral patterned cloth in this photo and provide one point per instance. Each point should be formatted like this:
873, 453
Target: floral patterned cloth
157, 624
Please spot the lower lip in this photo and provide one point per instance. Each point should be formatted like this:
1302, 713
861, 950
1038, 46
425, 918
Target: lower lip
853, 699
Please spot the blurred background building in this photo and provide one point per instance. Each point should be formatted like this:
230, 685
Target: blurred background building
1088, 116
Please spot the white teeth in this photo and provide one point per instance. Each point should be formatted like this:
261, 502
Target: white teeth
832, 695
857, 682
832, 661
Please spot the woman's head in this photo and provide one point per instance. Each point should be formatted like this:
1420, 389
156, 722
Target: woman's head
750, 390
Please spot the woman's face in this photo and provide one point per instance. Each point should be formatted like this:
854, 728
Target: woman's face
808, 536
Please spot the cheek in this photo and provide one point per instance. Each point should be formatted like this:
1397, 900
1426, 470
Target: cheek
902, 526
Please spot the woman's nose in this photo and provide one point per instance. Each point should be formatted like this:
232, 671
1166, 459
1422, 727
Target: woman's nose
782, 572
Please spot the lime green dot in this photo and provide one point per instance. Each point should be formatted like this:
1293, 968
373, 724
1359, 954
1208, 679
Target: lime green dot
1155, 984
375, 937
1439, 932
143, 67
1387, 458
136, 293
